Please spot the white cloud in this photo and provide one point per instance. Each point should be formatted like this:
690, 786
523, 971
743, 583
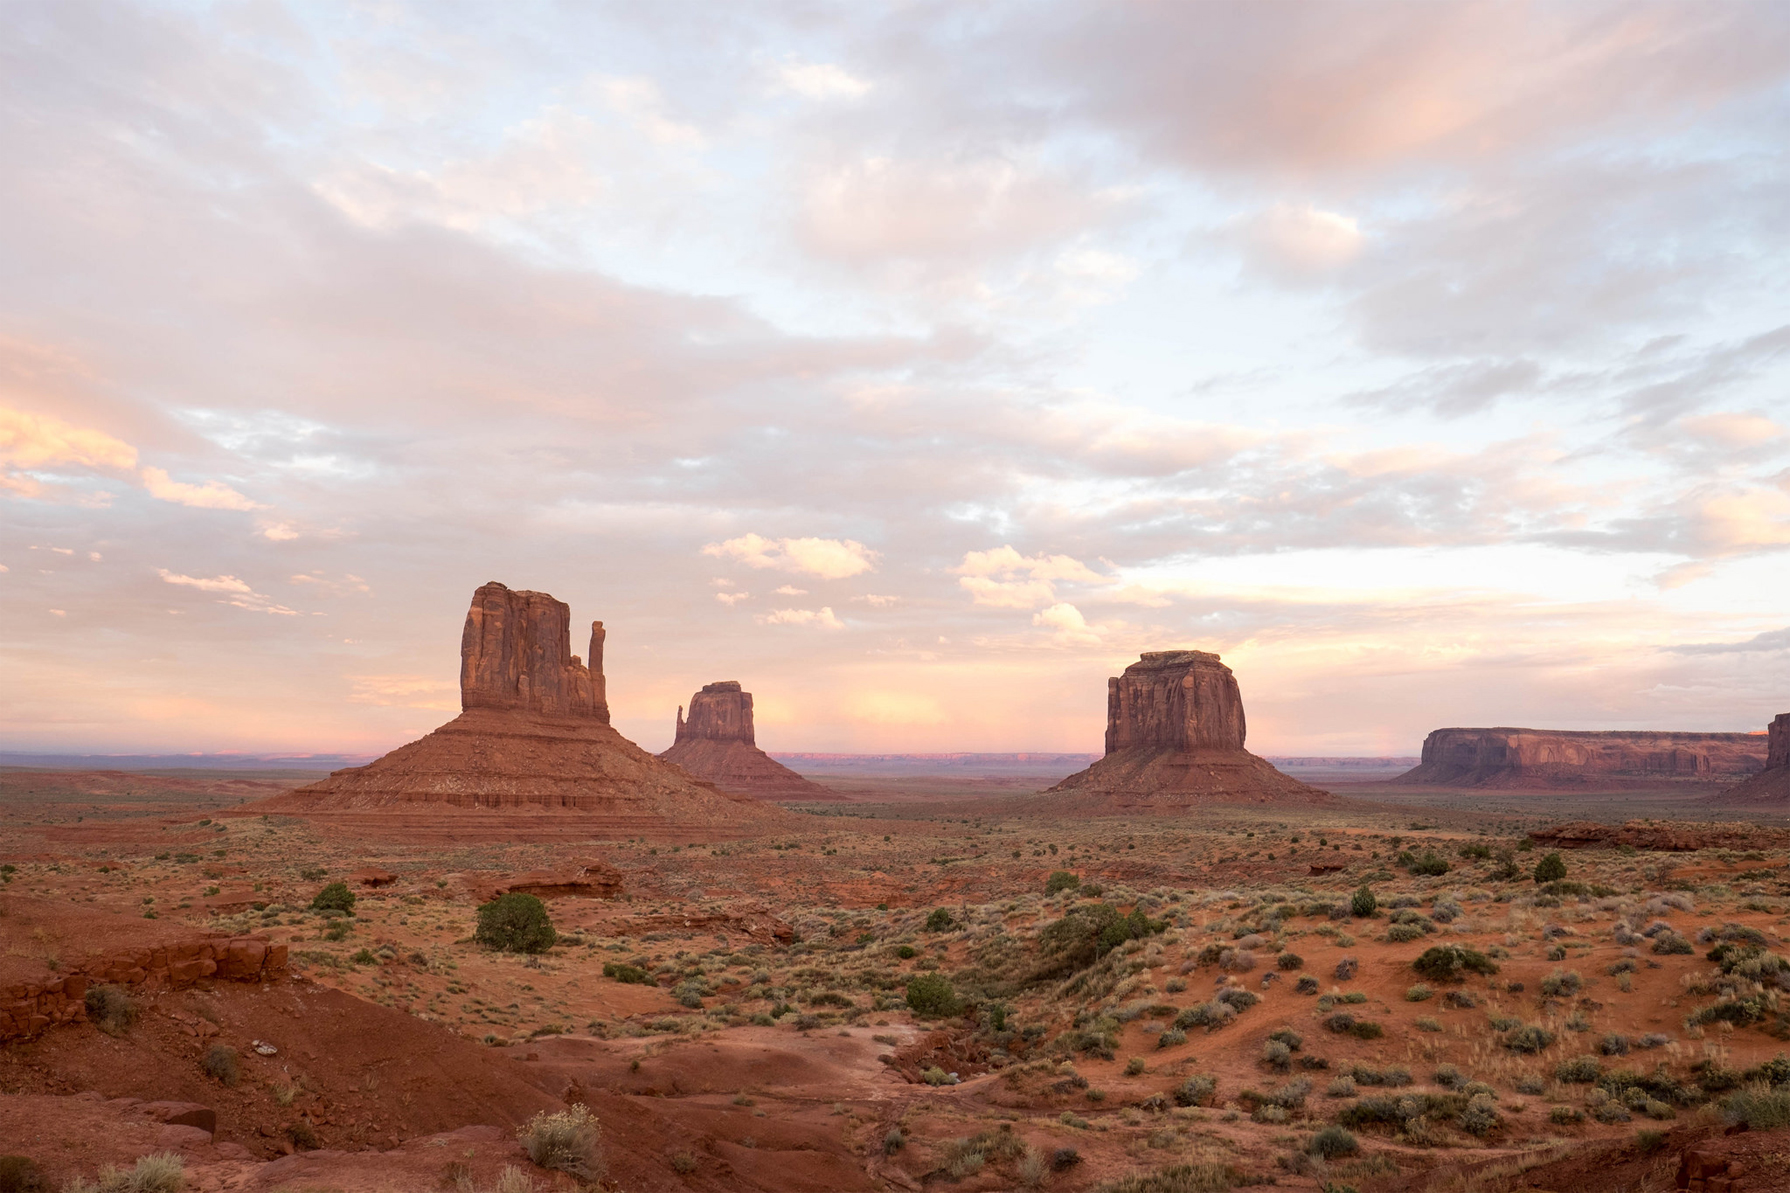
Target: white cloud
212, 495
1070, 626
821, 618
731, 598
820, 80
1299, 241
830, 559
205, 583
790, 590
1005, 579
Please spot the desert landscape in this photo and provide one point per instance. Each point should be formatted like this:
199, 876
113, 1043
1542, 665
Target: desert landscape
1175, 969
1060, 596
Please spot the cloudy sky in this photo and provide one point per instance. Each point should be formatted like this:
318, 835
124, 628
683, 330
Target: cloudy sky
916, 364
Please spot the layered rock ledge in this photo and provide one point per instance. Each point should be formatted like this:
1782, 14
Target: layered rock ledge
1771, 785
1549, 759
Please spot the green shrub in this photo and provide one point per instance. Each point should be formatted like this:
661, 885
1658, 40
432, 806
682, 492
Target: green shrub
1529, 1039
1561, 984
221, 1064
631, 975
1430, 865
568, 1140
111, 1009
1580, 1070
1759, 1106
1419, 993
1367, 1029
1668, 944
939, 921
1566, 1116
515, 923
906, 952
1196, 1090
1450, 962
1088, 932
1550, 868
930, 996
334, 897
1061, 880
1362, 903
1289, 961
1404, 933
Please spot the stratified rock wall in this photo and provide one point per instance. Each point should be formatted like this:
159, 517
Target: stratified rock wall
1548, 758
516, 653
720, 712
1771, 785
717, 744
1174, 740
1181, 699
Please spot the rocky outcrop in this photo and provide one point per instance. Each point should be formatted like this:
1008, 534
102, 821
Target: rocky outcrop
590, 880
534, 734
718, 744
1554, 759
516, 653
1771, 785
1174, 739
167, 959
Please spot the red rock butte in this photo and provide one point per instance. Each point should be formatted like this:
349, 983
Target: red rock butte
718, 744
1174, 739
1558, 759
534, 734
1771, 785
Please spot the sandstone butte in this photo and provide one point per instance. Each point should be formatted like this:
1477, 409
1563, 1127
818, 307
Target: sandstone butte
1554, 759
719, 744
1771, 785
533, 734
1174, 739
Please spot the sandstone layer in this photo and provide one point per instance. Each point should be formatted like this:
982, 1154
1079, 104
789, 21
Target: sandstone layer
1174, 739
1551, 759
719, 744
1771, 785
534, 734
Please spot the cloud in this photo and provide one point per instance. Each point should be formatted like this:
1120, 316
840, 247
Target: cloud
204, 583
1005, 579
33, 441
731, 598
830, 559
790, 590
212, 495
1070, 626
1766, 642
821, 618
405, 691
819, 80
1299, 242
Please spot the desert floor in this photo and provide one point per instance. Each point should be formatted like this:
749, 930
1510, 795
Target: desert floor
1241, 1028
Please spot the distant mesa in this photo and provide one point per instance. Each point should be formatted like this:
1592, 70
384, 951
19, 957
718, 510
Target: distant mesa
534, 735
1558, 759
1771, 785
718, 744
1174, 739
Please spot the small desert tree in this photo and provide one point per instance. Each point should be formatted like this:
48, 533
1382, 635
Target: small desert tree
1061, 880
515, 923
334, 897
1550, 868
930, 996
1362, 903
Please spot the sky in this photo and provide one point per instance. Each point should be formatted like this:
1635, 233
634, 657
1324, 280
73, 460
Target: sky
916, 364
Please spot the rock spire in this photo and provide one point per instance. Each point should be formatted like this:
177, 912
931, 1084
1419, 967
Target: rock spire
718, 744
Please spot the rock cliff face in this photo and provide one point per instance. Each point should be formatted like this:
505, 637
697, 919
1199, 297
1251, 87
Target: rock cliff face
718, 744
534, 734
1550, 759
1174, 740
1179, 699
1771, 785
515, 653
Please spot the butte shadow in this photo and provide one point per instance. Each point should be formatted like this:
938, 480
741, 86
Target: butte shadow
533, 736
1174, 742
718, 744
